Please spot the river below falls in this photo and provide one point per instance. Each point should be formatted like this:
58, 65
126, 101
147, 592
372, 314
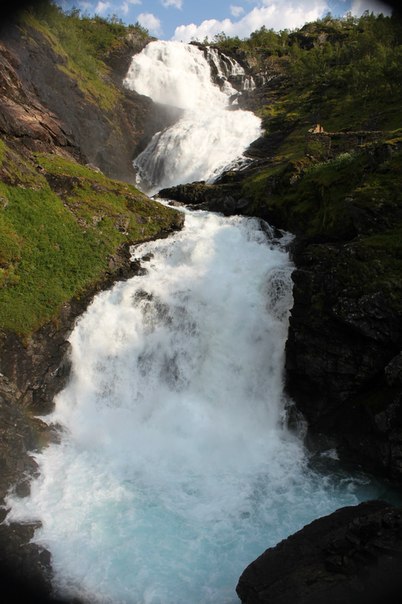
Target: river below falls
175, 467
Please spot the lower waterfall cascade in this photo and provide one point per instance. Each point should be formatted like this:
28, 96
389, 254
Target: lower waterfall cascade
175, 466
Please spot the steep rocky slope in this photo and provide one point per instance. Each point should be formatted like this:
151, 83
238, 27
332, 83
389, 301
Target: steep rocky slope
343, 361
106, 122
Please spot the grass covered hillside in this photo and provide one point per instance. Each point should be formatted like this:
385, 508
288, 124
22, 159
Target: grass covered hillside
60, 226
84, 46
62, 221
343, 184
344, 74
68, 213
343, 181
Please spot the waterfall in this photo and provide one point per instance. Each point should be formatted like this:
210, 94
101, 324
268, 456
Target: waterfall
210, 135
175, 468
228, 73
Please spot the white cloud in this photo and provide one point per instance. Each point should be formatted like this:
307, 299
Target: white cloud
150, 22
102, 7
125, 7
359, 6
275, 14
175, 3
236, 11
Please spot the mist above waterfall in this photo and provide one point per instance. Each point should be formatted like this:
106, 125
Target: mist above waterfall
211, 134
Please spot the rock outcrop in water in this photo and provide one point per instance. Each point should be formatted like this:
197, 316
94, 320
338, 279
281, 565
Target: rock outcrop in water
352, 556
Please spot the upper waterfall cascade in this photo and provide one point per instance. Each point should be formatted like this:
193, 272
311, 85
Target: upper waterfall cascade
210, 135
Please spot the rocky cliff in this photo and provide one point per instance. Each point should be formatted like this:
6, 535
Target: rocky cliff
337, 188
97, 115
343, 358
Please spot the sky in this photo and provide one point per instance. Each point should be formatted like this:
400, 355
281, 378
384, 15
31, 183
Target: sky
186, 20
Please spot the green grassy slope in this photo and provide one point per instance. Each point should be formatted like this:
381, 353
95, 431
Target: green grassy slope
83, 46
60, 223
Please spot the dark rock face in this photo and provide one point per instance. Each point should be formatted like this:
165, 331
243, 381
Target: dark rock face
352, 556
22, 115
343, 359
225, 195
24, 567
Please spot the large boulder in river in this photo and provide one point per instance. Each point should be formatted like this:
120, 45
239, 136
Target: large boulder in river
204, 196
352, 556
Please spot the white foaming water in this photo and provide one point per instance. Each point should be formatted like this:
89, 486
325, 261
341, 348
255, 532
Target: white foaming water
174, 469
226, 67
210, 135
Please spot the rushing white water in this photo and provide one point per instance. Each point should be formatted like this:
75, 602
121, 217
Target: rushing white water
174, 469
227, 69
209, 136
